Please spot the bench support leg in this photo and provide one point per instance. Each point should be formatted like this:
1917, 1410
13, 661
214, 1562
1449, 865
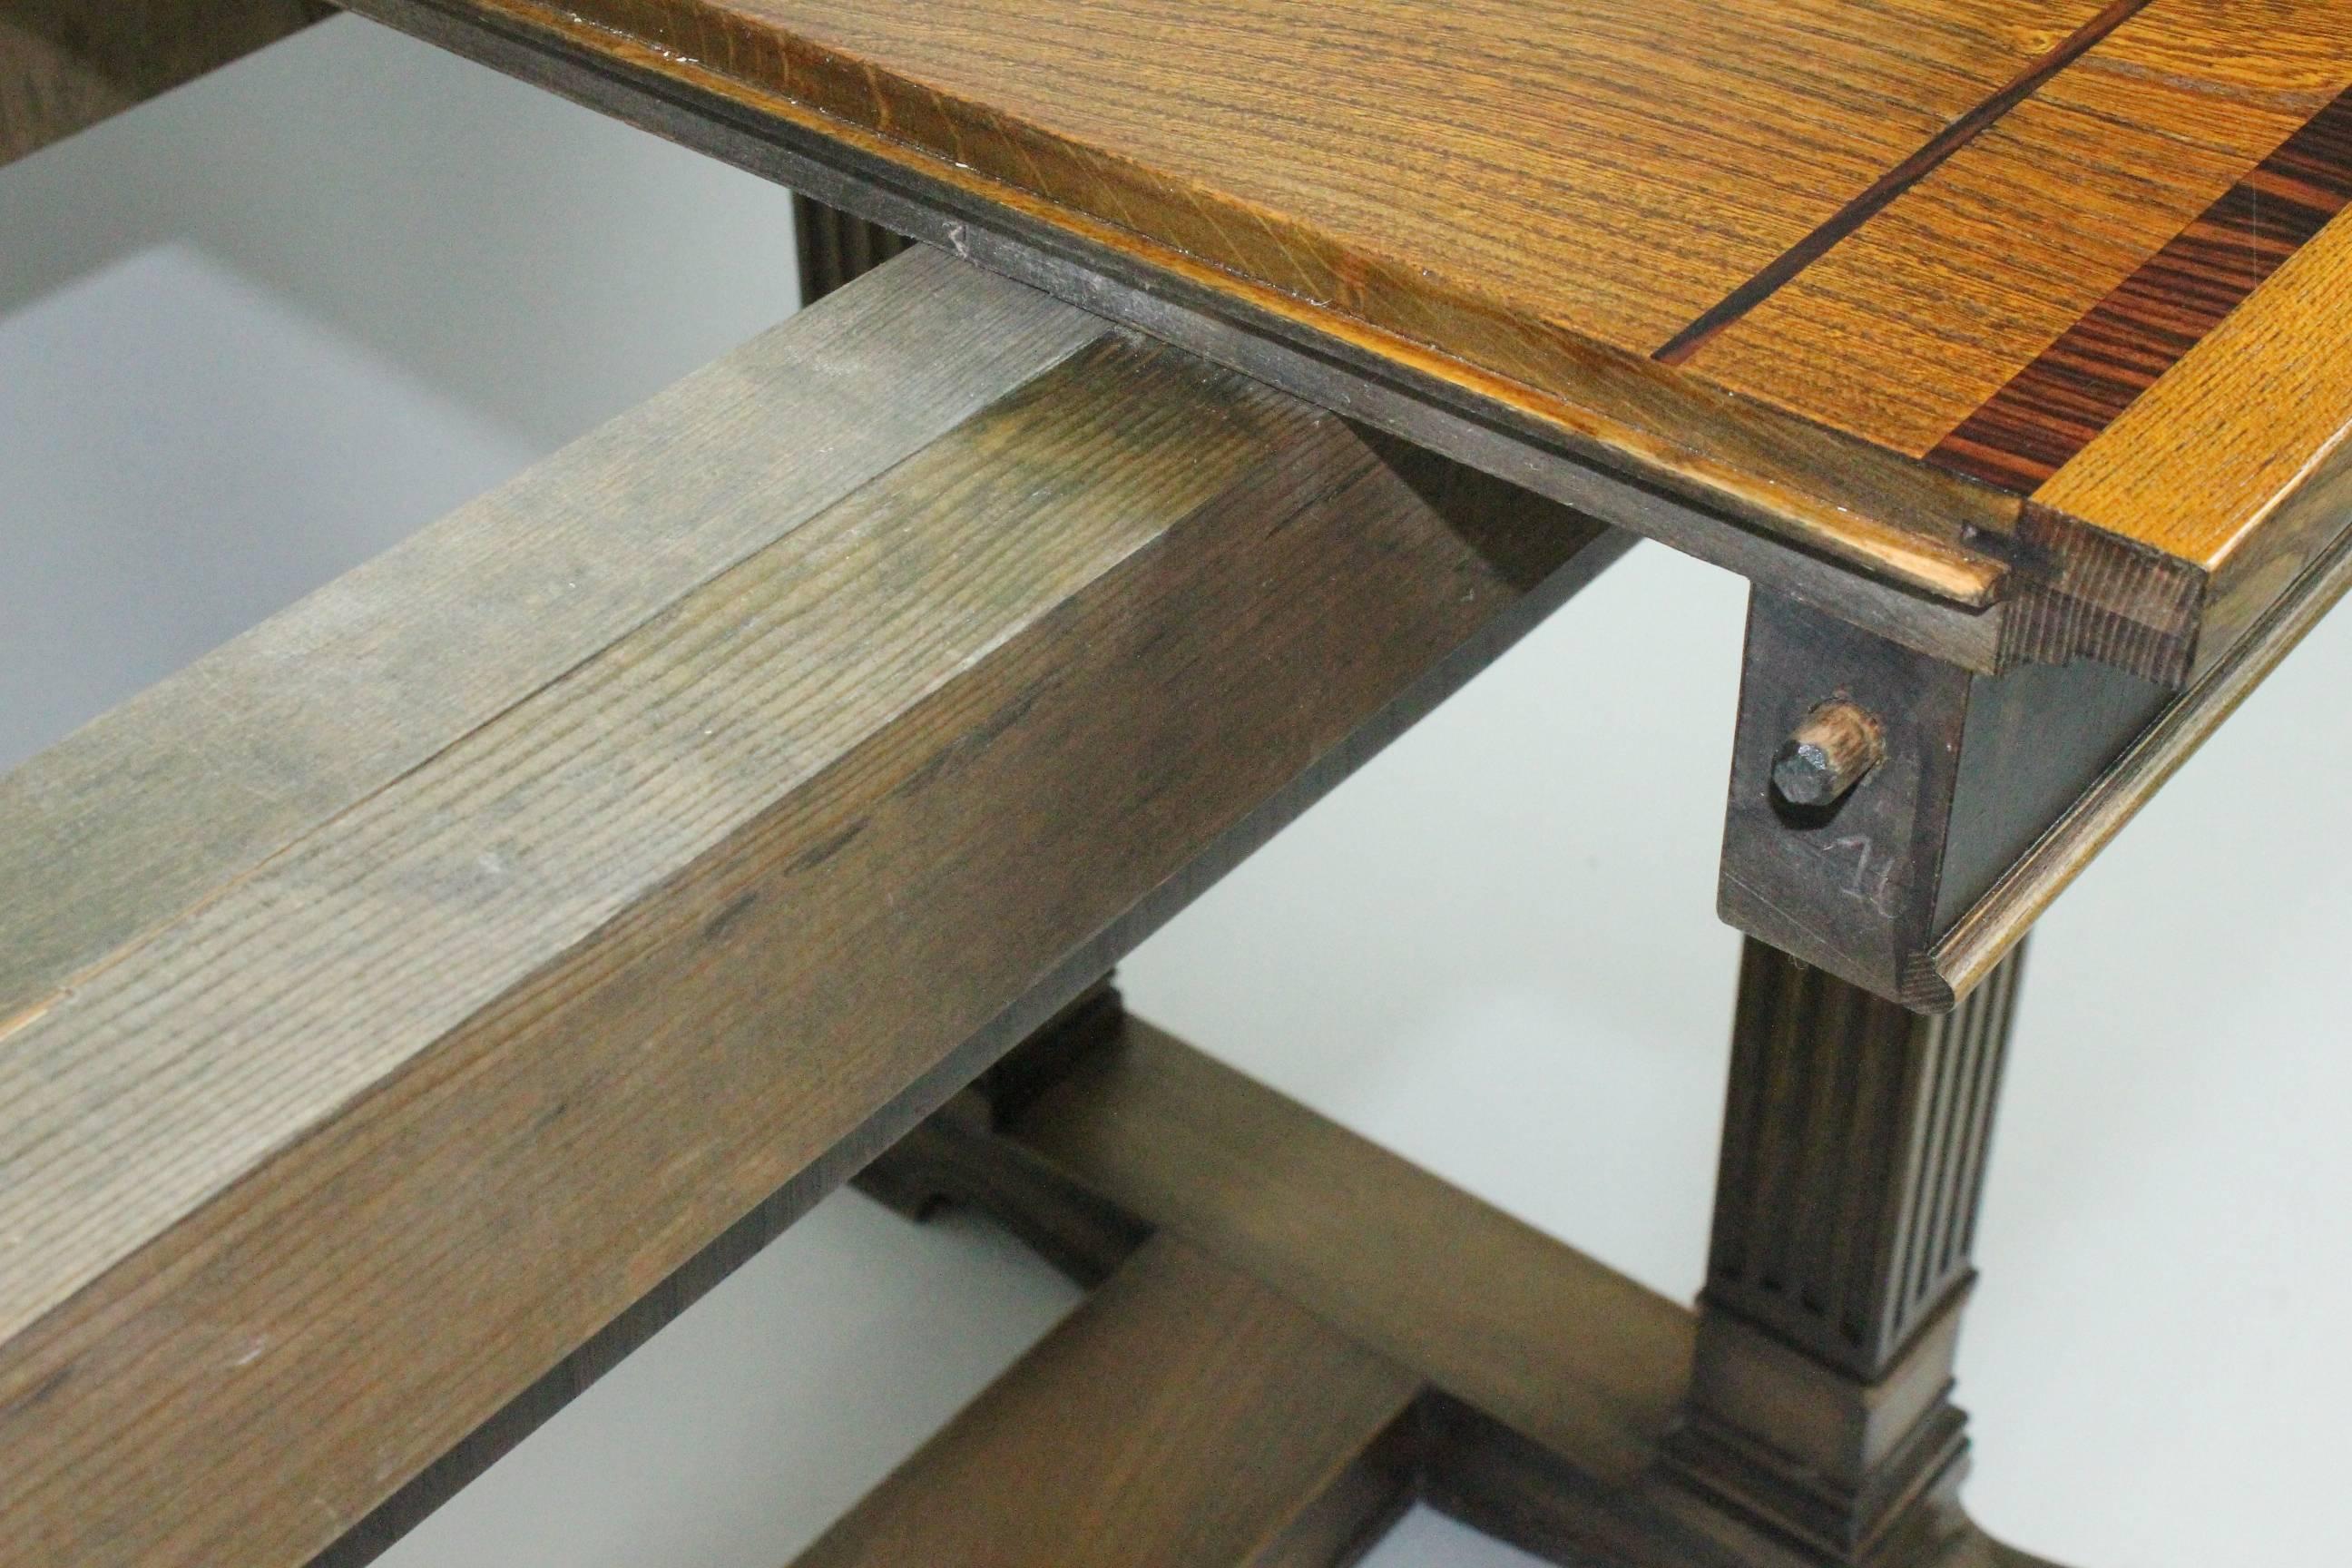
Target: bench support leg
1800, 1418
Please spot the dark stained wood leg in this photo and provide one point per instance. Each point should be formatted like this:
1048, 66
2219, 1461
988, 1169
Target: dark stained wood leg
1559, 1406
1853, 1157
835, 247
958, 1157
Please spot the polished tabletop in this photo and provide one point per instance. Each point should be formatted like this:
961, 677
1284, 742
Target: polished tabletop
1939, 288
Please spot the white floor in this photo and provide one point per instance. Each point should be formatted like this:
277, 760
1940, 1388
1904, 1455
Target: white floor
257, 331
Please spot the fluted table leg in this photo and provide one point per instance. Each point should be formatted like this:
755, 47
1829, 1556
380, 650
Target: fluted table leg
835, 247
1853, 1161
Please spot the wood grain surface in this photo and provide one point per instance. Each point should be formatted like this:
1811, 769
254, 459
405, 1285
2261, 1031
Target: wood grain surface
1379, 1246
2026, 432
1186, 1416
1550, 1382
345, 1142
2244, 448
187, 786
1951, 137
67, 64
1932, 307
1970, 277
1617, 171
1776, 257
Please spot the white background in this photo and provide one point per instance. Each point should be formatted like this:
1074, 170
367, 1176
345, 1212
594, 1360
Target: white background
259, 330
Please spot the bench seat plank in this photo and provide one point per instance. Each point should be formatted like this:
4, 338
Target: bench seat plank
331, 1158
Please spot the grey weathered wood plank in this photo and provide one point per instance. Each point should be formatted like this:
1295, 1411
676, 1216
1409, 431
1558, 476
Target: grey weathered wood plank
128, 822
351, 1143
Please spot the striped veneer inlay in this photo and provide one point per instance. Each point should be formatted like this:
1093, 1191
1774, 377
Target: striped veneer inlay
2055, 407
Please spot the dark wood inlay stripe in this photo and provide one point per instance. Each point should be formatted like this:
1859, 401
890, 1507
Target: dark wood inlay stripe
2079, 385
1891, 184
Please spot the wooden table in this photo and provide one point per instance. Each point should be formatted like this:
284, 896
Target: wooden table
408, 1007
